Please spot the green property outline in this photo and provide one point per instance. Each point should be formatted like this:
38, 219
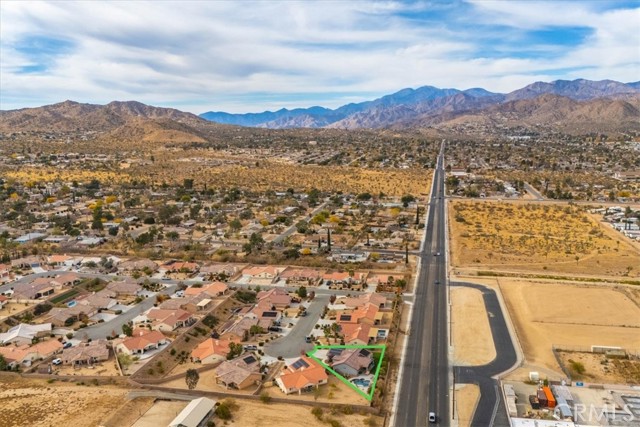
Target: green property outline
382, 347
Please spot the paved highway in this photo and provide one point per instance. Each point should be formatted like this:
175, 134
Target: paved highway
424, 384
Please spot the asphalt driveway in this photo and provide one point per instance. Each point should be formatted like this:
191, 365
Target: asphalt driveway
293, 343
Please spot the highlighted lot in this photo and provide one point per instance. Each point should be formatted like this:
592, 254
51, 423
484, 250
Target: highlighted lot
358, 366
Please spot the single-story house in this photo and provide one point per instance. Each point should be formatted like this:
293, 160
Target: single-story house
125, 288
169, 320
27, 354
302, 376
24, 333
239, 373
142, 341
86, 353
353, 362
211, 351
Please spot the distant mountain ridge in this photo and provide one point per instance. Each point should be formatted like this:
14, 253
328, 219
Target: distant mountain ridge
411, 105
578, 106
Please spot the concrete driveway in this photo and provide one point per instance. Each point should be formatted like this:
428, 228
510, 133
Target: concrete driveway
293, 343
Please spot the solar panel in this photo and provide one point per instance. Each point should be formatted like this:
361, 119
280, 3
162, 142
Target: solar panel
249, 360
300, 363
345, 317
270, 314
364, 352
334, 352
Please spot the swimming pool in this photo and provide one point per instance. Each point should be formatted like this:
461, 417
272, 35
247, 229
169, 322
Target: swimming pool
71, 303
361, 382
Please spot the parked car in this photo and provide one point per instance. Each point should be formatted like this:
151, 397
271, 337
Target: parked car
275, 329
250, 347
57, 361
307, 339
432, 417
67, 345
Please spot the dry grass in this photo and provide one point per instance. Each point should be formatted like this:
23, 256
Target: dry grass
50, 174
537, 237
467, 397
252, 413
472, 339
547, 314
259, 176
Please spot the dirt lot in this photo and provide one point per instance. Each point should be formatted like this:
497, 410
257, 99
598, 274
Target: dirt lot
546, 314
13, 308
472, 337
600, 369
252, 413
160, 414
32, 403
107, 368
466, 400
537, 237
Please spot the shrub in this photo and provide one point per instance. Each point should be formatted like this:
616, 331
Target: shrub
317, 412
265, 397
223, 412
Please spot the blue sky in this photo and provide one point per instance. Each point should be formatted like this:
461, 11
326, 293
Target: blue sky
253, 56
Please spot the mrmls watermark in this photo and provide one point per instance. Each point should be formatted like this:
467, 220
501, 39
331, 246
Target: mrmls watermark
602, 414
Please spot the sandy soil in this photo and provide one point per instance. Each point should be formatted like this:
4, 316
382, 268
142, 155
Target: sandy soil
547, 314
252, 413
599, 369
160, 414
472, 339
334, 392
129, 413
534, 237
12, 308
33, 403
107, 368
467, 396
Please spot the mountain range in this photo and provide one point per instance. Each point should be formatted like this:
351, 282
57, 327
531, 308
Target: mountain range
576, 107
429, 105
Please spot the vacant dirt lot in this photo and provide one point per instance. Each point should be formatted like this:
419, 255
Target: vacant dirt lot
252, 413
160, 414
466, 400
37, 403
600, 369
561, 314
472, 337
537, 237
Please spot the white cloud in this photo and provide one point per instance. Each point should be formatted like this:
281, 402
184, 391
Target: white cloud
237, 55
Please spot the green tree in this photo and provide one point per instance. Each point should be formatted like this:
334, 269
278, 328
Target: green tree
192, 377
235, 224
127, 329
235, 350
406, 199
96, 224
302, 292
3, 363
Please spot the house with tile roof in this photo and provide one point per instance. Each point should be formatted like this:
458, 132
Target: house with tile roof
141, 342
352, 362
86, 353
211, 351
239, 373
26, 354
302, 376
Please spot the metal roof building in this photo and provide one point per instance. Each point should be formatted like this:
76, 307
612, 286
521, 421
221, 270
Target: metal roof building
194, 415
